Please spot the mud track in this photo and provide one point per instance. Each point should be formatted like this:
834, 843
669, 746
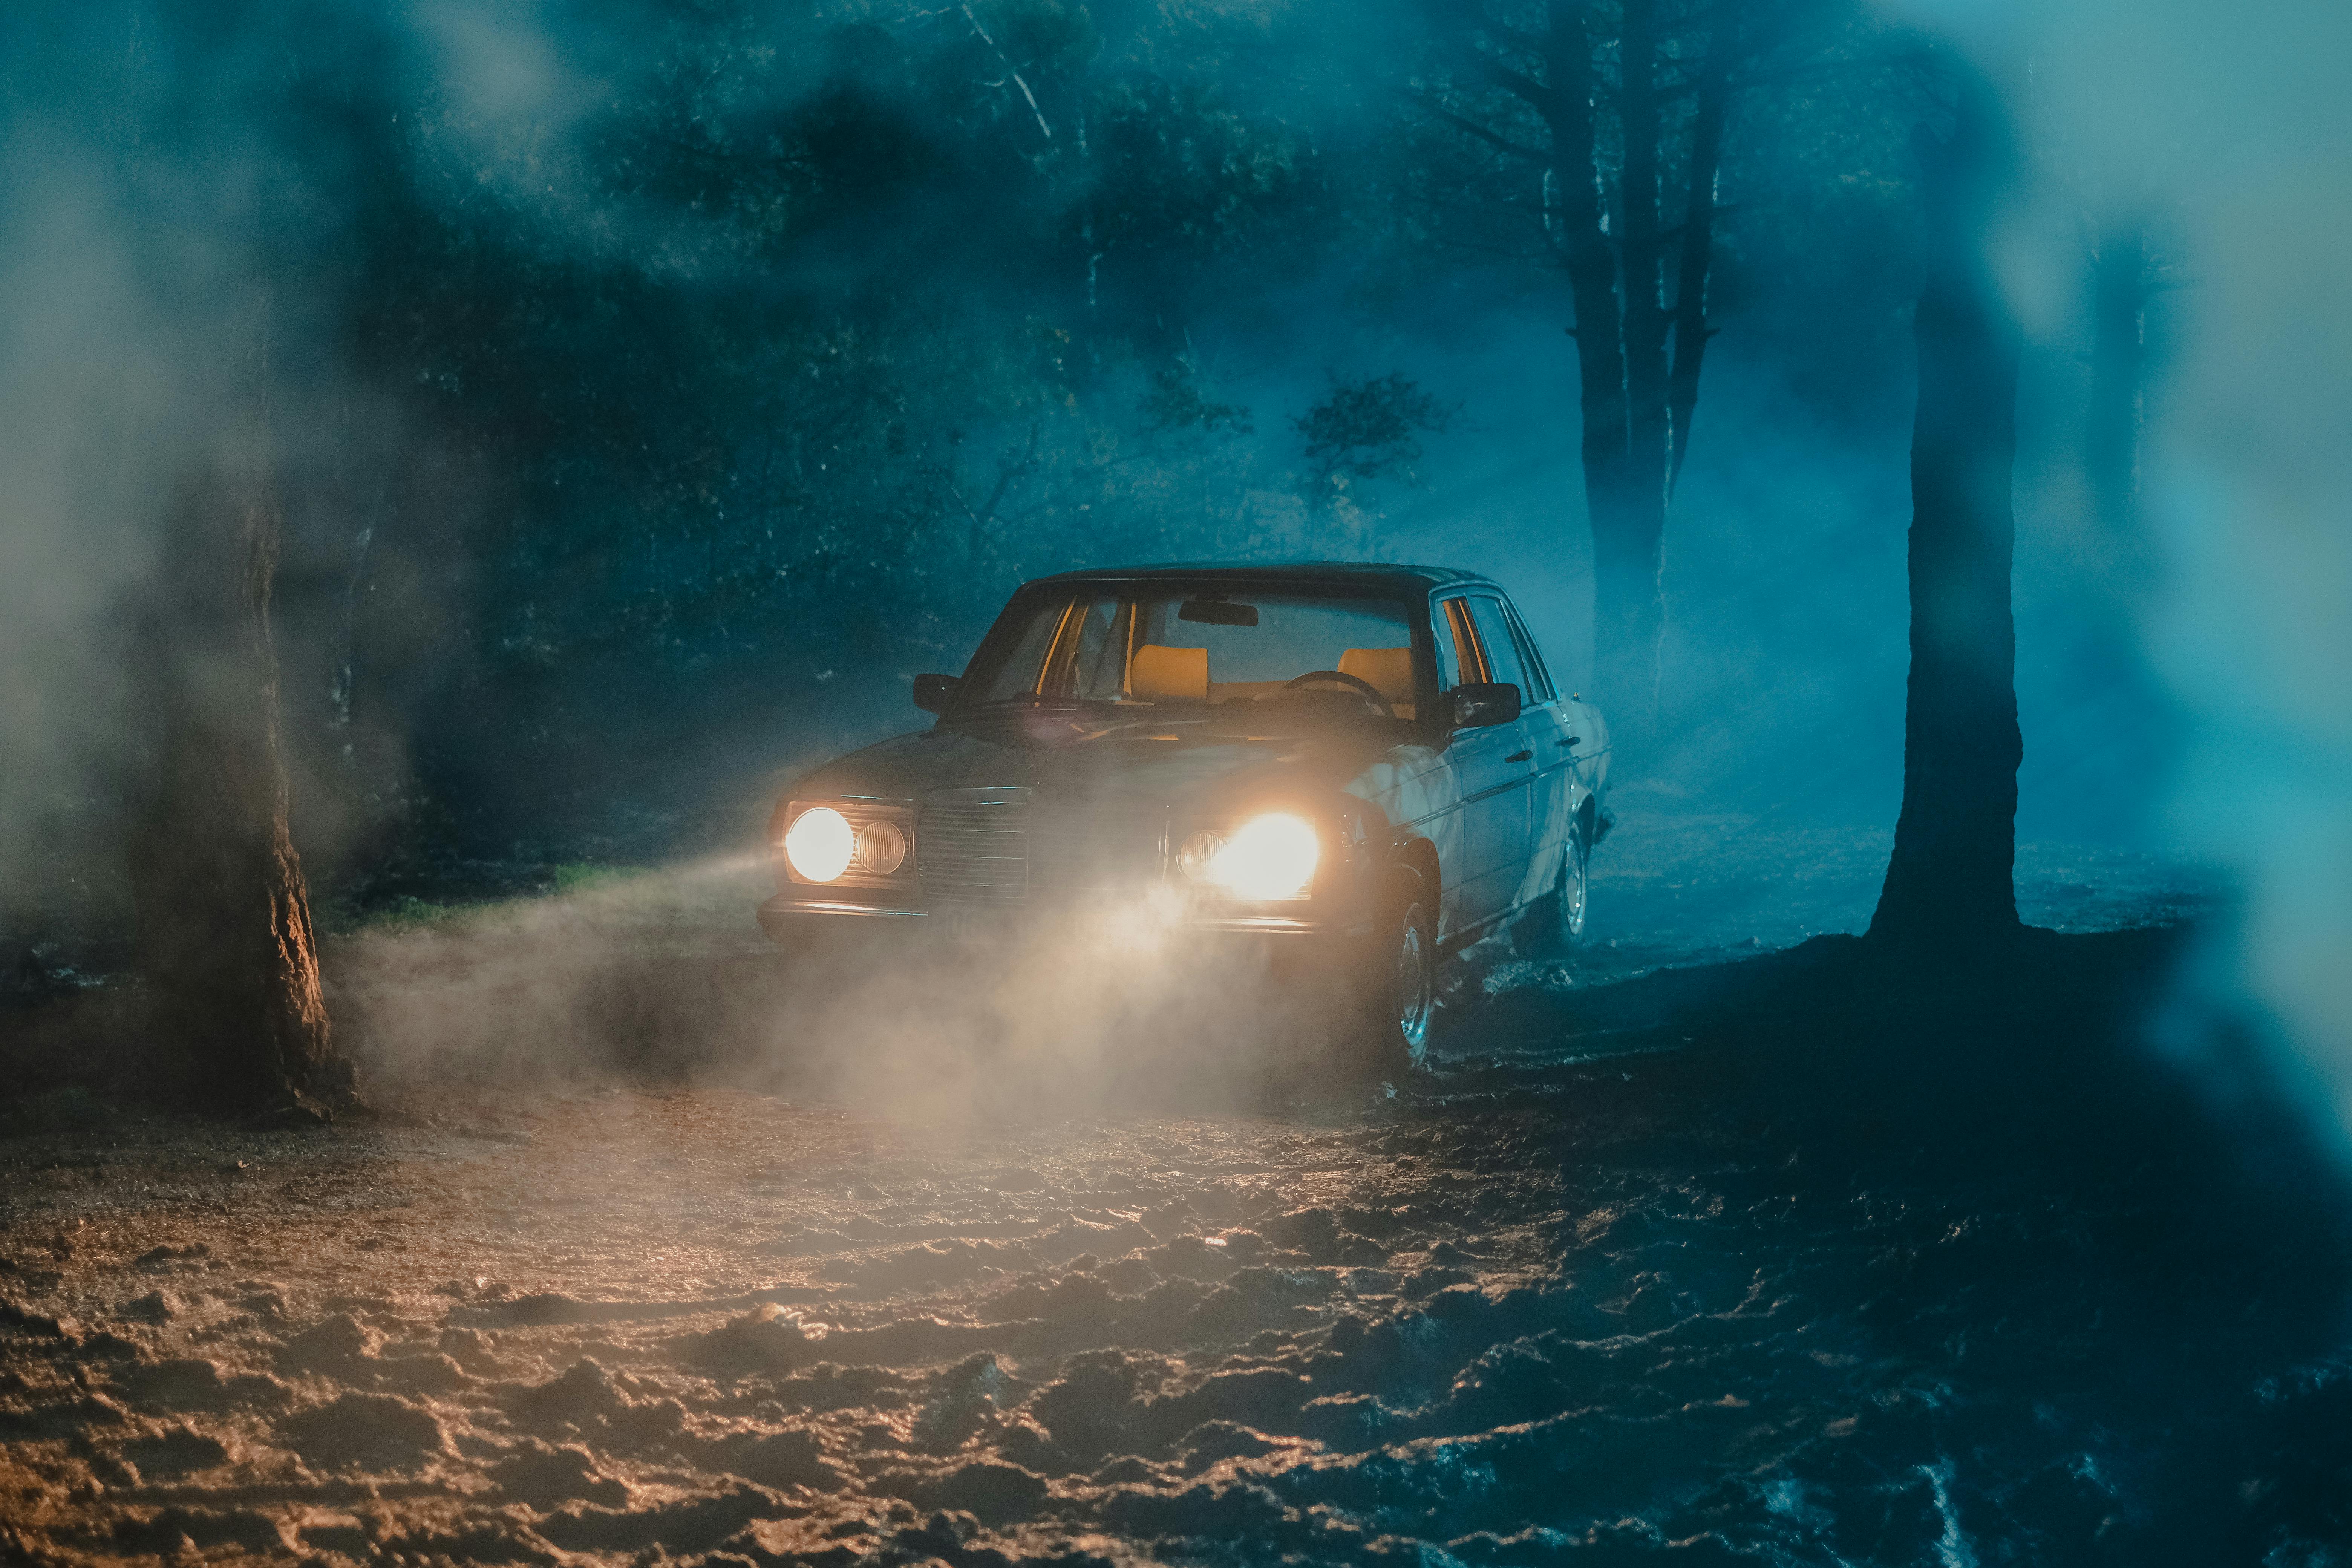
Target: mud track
1788, 1293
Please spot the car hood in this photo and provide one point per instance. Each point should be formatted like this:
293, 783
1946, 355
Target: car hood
1191, 763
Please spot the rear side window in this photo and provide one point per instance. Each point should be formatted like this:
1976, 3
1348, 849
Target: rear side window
1540, 685
1501, 648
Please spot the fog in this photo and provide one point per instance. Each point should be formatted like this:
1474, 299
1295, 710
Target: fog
535, 368
2232, 143
650, 392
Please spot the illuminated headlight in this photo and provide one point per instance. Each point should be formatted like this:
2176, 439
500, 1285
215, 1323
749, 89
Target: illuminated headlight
824, 846
820, 843
1265, 859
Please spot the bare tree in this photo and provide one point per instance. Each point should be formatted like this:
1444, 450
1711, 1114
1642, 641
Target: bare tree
225, 935
1620, 109
1950, 888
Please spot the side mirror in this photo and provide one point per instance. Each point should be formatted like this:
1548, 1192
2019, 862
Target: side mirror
936, 693
1478, 704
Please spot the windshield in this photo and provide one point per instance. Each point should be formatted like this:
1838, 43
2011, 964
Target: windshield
1203, 645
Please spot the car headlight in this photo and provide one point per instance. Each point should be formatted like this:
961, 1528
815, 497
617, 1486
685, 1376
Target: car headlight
825, 844
881, 848
1265, 859
820, 842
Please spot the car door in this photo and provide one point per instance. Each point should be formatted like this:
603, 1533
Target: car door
1491, 765
1552, 734
1514, 814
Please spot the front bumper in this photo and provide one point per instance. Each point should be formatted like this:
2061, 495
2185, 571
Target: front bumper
993, 865
792, 921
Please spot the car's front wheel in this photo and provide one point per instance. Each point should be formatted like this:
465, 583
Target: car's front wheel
1399, 995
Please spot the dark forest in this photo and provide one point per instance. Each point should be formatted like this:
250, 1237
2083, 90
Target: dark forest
477, 475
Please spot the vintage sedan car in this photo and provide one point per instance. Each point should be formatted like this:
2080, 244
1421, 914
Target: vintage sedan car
1361, 768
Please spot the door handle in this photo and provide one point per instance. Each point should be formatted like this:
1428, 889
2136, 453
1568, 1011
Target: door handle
1519, 757
1572, 741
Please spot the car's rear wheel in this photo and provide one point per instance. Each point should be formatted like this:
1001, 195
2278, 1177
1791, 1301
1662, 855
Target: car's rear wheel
1558, 920
1399, 996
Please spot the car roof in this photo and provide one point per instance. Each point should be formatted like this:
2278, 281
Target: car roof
1353, 574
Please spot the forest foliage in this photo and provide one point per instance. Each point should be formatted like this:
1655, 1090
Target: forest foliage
644, 372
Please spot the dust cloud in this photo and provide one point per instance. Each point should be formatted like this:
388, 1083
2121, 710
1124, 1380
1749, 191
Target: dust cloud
2231, 146
86, 384
660, 975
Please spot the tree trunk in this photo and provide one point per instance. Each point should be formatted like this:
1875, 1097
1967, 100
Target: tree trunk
1629, 528
1949, 889
1624, 554
1691, 330
1634, 402
224, 936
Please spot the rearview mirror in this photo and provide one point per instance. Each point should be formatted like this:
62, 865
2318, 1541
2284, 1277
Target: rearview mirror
1217, 613
1479, 703
936, 693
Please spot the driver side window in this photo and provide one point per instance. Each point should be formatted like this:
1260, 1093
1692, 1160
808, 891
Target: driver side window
1458, 645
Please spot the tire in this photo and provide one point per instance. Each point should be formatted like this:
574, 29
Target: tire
1399, 991
1558, 920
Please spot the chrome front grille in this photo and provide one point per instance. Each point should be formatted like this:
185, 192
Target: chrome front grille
1002, 848
973, 847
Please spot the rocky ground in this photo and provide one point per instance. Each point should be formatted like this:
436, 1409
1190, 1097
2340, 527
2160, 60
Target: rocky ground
1783, 1261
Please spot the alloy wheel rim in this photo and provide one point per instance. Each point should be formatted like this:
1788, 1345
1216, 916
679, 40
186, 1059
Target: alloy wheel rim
1572, 893
1416, 990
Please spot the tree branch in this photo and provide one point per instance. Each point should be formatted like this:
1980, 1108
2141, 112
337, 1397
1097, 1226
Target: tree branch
1537, 97
1470, 127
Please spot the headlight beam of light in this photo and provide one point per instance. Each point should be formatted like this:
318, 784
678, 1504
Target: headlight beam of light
1267, 858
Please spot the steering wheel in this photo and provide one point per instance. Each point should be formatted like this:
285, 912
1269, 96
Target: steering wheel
1359, 686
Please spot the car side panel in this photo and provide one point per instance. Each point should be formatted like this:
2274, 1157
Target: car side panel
1590, 732
1509, 804
1566, 735
1417, 791
1555, 799
1494, 777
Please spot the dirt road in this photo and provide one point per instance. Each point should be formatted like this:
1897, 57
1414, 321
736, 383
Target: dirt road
1614, 1310
712, 1318
1759, 1297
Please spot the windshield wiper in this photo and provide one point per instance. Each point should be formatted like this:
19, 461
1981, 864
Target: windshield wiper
1029, 702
